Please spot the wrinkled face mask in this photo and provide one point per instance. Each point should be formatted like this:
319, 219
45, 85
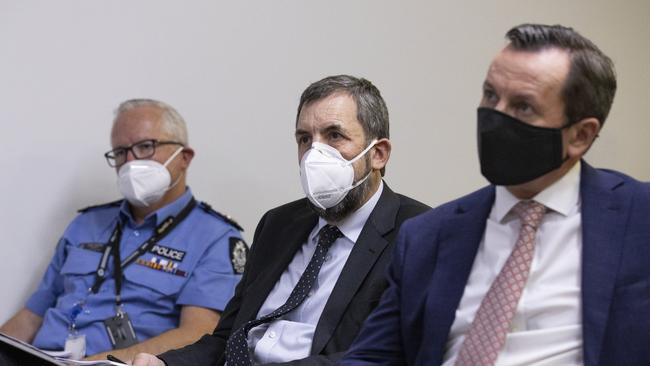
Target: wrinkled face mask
513, 152
144, 182
326, 176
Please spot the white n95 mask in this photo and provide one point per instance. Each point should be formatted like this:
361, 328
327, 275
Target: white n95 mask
144, 182
326, 176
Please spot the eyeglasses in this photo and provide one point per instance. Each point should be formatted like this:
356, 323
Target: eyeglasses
141, 150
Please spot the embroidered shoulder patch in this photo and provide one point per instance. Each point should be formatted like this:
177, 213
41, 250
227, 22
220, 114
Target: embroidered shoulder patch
227, 218
238, 254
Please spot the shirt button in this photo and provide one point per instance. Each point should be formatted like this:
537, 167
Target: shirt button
328, 257
136, 233
271, 334
514, 328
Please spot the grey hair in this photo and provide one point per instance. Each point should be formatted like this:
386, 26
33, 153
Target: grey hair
371, 108
372, 112
173, 123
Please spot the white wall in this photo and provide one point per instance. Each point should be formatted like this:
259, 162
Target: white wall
235, 70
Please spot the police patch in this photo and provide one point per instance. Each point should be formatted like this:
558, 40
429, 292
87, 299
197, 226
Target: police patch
95, 247
169, 253
238, 254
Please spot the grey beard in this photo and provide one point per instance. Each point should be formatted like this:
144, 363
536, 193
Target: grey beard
350, 203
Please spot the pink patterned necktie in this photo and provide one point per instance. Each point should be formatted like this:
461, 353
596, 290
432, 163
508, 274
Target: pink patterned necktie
487, 335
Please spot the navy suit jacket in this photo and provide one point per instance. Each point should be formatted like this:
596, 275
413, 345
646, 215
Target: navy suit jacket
434, 255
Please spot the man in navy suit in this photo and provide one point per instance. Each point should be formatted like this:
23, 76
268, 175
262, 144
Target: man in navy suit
549, 265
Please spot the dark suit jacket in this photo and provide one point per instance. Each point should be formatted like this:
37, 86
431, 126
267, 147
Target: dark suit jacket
279, 235
434, 256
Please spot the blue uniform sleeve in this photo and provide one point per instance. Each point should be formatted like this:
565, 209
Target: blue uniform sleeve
51, 285
212, 282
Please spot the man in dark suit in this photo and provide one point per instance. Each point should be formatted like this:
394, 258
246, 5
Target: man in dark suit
316, 267
550, 265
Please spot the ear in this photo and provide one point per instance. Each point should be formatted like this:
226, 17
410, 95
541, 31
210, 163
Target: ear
186, 157
581, 135
380, 154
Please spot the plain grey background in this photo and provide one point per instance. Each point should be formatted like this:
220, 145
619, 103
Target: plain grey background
235, 71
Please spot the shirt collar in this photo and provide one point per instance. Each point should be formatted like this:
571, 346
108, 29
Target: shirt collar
561, 196
171, 209
352, 225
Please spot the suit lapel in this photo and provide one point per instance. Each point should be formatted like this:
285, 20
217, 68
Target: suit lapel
367, 249
458, 243
293, 236
603, 226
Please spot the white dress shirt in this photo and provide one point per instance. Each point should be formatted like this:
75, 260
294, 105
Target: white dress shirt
547, 327
290, 337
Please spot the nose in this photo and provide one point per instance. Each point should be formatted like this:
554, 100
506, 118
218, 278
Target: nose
506, 108
129, 156
317, 138
501, 106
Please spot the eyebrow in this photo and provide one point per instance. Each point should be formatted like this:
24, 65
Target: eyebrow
524, 97
135, 143
300, 132
487, 85
519, 96
334, 126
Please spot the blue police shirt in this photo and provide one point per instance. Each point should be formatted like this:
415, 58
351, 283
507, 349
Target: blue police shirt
192, 265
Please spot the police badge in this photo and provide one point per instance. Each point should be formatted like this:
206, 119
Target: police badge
238, 254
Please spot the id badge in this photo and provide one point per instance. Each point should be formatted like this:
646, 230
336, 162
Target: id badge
76, 345
120, 331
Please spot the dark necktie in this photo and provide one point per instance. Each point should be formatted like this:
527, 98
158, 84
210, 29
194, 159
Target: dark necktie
237, 347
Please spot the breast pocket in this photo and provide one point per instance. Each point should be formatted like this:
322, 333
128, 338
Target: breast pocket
164, 279
79, 269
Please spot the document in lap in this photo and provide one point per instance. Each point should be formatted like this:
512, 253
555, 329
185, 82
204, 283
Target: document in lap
43, 358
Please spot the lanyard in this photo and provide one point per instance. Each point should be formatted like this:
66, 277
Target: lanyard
113, 247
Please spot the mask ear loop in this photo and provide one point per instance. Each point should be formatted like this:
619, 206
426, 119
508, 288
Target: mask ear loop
567, 125
364, 152
174, 155
355, 185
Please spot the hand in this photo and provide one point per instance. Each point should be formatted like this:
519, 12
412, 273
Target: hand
145, 359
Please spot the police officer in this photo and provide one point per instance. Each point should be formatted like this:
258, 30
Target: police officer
179, 261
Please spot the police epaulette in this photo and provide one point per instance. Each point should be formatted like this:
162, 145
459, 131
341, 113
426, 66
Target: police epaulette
207, 208
109, 204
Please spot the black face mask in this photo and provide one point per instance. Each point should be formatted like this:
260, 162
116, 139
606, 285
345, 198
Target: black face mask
513, 152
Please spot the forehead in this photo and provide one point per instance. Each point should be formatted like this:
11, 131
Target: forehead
336, 109
532, 72
136, 124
